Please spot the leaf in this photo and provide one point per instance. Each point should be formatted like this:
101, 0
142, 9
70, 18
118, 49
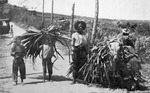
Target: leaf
58, 52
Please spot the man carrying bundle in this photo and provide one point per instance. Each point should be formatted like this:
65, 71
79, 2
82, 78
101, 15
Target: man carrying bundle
47, 54
18, 52
79, 48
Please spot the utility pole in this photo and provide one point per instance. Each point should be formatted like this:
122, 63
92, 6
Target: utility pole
72, 19
43, 15
94, 30
52, 11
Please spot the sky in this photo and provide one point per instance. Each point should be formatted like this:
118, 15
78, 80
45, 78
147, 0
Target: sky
109, 9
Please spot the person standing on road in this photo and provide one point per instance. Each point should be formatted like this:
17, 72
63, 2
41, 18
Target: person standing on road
18, 52
47, 54
79, 48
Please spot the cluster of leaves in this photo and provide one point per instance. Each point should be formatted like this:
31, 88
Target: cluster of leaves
33, 41
94, 70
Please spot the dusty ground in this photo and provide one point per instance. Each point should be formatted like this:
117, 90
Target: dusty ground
33, 83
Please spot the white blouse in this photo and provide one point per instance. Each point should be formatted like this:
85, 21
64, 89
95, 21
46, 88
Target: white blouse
79, 39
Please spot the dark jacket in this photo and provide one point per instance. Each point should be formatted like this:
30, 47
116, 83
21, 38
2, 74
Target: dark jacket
17, 51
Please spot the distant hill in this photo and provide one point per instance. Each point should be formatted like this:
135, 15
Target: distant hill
33, 18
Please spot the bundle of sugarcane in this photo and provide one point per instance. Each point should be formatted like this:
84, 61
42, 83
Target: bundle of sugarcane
96, 69
98, 64
33, 41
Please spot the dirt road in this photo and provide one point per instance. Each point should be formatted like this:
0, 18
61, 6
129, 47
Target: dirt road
33, 83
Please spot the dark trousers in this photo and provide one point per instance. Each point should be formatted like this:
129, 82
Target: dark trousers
18, 65
79, 58
47, 63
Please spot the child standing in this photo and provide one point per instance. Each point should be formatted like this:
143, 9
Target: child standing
18, 52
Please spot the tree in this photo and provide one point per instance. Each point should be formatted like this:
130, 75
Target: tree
43, 19
3, 1
72, 19
52, 11
94, 31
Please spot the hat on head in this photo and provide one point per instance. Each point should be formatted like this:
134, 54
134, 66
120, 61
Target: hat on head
15, 38
80, 22
125, 31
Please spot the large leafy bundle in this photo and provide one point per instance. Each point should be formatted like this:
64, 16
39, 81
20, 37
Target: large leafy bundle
33, 41
99, 68
96, 69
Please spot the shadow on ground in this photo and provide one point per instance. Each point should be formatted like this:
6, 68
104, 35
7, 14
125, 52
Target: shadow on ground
53, 78
34, 82
6, 77
10, 76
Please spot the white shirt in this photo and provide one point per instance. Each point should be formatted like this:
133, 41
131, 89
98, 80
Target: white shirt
47, 51
79, 39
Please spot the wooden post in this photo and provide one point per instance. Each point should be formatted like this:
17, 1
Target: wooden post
94, 30
52, 12
72, 19
43, 15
